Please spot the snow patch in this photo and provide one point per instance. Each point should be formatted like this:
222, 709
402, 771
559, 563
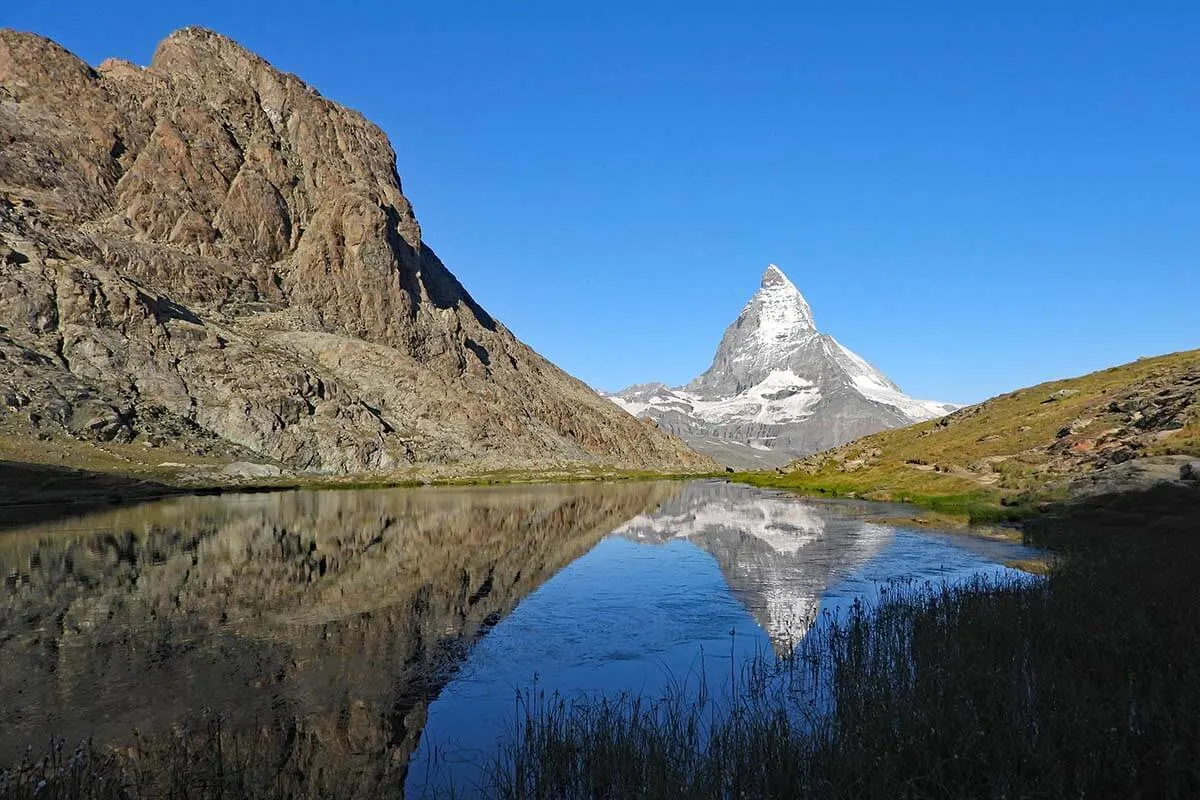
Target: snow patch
874, 385
781, 397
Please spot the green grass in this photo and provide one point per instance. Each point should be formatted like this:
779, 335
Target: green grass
958, 502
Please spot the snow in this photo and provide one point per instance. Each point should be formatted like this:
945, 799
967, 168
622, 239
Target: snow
872, 384
774, 336
915, 410
781, 317
757, 404
634, 408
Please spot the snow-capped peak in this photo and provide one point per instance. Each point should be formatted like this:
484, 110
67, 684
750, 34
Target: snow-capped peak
778, 385
781, 309
774, 275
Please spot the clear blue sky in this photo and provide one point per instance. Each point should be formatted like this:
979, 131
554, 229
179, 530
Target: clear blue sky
973, 196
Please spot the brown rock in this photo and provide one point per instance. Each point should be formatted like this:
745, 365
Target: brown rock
210, 238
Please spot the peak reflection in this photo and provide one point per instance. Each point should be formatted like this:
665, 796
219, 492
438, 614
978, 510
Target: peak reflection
778, 554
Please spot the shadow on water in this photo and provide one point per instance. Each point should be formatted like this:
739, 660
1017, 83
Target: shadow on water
316, 626
42, 492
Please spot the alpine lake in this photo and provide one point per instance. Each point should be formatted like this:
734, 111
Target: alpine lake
363, 637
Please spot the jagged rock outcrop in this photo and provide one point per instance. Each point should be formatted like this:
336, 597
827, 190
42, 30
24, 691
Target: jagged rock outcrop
317, 626
207, 251
777, 388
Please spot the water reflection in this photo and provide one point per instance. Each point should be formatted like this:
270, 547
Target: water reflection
322, 621
778, 554
339, 635
678, 601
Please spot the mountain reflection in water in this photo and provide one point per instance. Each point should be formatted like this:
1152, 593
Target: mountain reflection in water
323, 622
677, 602
778, 554
338, 636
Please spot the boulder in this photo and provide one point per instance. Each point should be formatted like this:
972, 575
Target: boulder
249, 469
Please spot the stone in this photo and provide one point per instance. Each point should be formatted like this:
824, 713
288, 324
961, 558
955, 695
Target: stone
247, 469
1061, 394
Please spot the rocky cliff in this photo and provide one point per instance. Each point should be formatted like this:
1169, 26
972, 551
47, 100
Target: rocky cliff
207, 253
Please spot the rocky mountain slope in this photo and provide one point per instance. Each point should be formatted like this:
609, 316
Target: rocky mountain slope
777, 388
1114, 429
206, 254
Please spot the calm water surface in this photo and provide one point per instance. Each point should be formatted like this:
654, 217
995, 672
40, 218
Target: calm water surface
381, 636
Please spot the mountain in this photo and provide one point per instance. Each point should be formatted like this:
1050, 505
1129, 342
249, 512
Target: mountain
777, 388
1125, 427
204, 260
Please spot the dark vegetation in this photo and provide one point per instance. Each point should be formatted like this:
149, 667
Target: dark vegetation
1085, 684
200, 759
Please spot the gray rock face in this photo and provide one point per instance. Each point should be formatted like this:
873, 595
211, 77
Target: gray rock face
778, 388
248, 469
208, 251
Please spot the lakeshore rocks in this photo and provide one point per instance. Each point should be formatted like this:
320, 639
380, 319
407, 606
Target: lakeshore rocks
247, 469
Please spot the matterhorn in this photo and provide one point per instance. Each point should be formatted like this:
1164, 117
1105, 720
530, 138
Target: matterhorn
777, 389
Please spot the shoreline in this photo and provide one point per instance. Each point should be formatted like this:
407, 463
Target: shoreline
42, 491
38, 492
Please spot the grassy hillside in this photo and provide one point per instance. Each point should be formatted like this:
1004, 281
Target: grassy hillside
1020, 447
